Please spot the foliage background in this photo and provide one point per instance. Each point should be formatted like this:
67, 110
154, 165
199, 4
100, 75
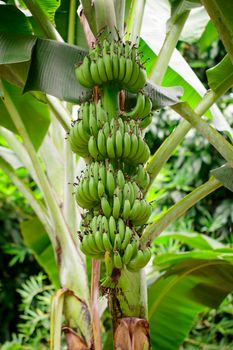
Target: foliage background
188, 168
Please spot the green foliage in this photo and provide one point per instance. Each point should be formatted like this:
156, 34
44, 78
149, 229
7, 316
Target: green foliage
186, 277
10, 14
16, 260
179, 249
213, 329
220, 13
34, 315
214, 75
37, 239
188, 168
24, 106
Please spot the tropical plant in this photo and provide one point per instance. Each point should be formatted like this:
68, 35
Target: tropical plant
116, 101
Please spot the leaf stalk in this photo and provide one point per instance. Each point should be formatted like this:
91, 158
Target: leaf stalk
178, 209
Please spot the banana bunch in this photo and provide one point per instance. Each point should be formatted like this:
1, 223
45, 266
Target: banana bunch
111, 239
114, 142
91, 118
103, 188
114, 62
111, 188
93, 135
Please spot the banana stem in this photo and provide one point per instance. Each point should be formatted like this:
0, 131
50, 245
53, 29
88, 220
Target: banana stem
43, 21
95, 278
164, 152
106, 16
130, 298
110, 100
164, 56
56, 319
211, 134
134, 21
120, 16
89, 12
72, 22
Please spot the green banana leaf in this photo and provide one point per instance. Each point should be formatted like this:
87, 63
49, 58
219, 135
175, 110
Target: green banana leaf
179, 73
62, 20
49, 7
10, 157
33, 113
192, 285
225, 175
209, 35
49, 74
195, 26
192, 239
221, 73
52, 71
12, 20
221, 14
37, 240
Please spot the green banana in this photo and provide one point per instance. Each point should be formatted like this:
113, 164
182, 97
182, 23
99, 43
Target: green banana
119, 144
135, 210
139, 84
117, 260
102, 173
117, 242
121, 228
86, 71
101, 115
134, 76
96, 171
99, 241
147, 108
106, 207
110, 183
146, 122
112, 228
122, 67
128, 254
100, 189
127, 238
128, 71
127, 145
115, 66
139, 107
101, 69
108, 263
93, 189
108, 66
134, 146
85, 115
92, 148
116, 207
126, 209
93, 120
120, 179
80, 77
110, 147
95, 73
101, 143
106, 241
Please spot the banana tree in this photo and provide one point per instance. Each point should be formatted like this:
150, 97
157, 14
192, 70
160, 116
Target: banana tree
99, 55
